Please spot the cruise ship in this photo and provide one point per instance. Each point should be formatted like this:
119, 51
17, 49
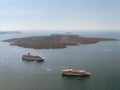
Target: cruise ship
71, 72
30, 57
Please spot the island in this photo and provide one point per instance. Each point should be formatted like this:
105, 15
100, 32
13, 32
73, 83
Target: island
55, 41
9, 32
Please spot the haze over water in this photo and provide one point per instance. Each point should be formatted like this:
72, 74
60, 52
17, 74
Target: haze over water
101, 59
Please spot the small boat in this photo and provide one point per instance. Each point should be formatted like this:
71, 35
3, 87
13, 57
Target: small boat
48, 69
30, 57
71, 72
78, 78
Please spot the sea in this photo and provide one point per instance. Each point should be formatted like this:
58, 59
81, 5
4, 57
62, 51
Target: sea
102, 60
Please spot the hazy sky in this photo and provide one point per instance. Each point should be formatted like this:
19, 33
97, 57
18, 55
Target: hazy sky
60, 14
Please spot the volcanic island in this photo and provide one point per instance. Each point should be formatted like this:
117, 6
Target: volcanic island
55, 41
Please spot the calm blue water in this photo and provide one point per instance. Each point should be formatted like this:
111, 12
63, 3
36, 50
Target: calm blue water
101, 59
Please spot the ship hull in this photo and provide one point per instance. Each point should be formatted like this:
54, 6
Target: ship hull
32, 59
71, 74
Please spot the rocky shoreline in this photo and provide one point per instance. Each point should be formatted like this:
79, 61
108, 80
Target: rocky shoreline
54, 41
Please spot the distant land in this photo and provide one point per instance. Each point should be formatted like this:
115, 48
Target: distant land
54, 41
9, 32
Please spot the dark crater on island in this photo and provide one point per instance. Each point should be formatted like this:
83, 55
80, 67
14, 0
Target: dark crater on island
54, 41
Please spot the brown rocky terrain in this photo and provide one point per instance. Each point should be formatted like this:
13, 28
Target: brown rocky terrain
54, 41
